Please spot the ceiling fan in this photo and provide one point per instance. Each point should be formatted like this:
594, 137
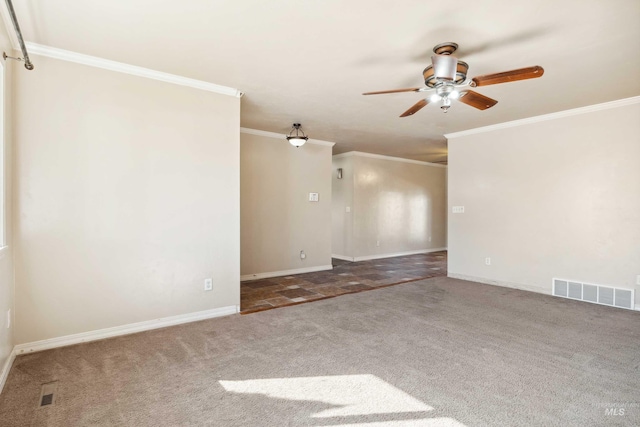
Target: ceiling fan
446, 80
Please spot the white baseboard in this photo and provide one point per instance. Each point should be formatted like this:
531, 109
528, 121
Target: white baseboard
124, 329
6, 368
499, 283
343, 257
285, 272
380, 256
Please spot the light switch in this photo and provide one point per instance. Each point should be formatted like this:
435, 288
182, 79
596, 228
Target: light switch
458, 209
313, 197
348, 209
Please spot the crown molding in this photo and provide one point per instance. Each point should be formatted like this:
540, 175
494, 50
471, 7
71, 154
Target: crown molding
382, 157
119, 67
281, 136
546, 117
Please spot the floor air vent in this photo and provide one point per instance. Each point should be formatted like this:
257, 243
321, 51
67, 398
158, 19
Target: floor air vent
605, 295
47, 394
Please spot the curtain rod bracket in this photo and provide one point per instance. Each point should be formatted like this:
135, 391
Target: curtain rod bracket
28, 66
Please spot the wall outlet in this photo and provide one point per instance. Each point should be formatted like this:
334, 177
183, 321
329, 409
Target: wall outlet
429, 238
313, 197
8, 318
487, 261
377, 242
302, 255
208, 284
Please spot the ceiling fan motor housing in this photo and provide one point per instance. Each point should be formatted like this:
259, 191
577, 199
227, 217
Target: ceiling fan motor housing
431, 80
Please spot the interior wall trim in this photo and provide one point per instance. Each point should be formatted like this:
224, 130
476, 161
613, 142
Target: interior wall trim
546, 117
130, 328
390, 255
502, 283
343, 257
508, 285
281, 136
6, 368
382, 157
269, 274
120, 67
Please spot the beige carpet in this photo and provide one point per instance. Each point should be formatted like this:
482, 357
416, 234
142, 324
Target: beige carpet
437, 352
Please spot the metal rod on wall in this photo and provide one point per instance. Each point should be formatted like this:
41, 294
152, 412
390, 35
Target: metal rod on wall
27, 62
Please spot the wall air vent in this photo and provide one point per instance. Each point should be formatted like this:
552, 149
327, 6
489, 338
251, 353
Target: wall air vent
597, 294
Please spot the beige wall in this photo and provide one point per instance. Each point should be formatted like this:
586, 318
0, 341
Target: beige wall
278, 221
398, 206
127, 198
556, 198
6, 253
342, 198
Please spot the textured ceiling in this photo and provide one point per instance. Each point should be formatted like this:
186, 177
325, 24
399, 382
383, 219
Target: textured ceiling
309, 61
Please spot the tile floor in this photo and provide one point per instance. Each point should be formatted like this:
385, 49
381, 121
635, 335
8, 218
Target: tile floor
345, 278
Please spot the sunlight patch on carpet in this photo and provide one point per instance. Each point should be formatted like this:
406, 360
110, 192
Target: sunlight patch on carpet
350, 395
428, 422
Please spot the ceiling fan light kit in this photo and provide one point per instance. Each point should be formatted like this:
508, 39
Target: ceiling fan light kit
446, 79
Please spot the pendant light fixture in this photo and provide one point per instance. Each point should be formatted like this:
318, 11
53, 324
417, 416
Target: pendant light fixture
297, 140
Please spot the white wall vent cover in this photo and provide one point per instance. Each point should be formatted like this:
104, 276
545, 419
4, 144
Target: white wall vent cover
605, 295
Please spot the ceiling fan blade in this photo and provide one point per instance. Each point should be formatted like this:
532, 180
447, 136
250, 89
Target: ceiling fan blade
416, 107
413, 89
509, 76
476, 100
